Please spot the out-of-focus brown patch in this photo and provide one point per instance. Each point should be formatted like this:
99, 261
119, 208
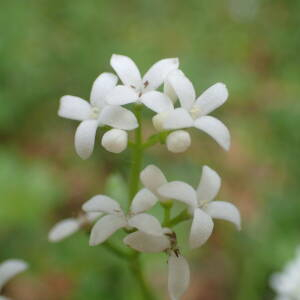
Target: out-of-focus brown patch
209, 282
260, 58
55, 286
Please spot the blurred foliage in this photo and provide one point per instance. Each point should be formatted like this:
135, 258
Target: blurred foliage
52, 48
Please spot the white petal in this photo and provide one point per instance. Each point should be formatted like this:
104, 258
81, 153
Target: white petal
157, 101
143, 201
152, 178
156, 75
121, 95
209, 185
105, 227
103, 84
10, 268
143, 242
102, 203
180, 191
177, 119
178, 276
4, 298
225, 211
202, 227
63, 229
118, 117
184, 89
74, 108
146, 223
85, 138
212, 98
169, 91
168, 88
216, 129
126, 70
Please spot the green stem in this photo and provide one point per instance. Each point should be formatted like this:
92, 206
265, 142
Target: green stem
136, 164
156, 138
136, 269
183, 216
137, 155
167, 213
118, 251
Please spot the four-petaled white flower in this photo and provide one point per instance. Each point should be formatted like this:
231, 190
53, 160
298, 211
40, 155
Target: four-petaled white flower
138, 89
69, 226
9, 269
115, 218
96, 113
201, 205
194, 112
287, 283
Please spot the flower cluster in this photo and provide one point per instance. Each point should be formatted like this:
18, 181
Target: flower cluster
107, 98
104, 215
9, 269
287, 283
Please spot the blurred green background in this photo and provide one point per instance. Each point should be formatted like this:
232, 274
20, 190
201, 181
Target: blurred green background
52, 48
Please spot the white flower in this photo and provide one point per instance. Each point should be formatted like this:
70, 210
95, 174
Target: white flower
287, 283
152, 178
178, 141
201, 205
138, 89
115, 140
67, 227
115, 218
9, 269
194, 112
94, 114
178, 275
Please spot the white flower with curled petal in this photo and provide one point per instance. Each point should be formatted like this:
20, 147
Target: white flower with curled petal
201, 205
194, 112
141, 89
115, 218
96, 113
9, 269
68, 227
286, 284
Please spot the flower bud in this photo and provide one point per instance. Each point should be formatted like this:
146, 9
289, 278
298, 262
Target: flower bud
178, 141
115, 140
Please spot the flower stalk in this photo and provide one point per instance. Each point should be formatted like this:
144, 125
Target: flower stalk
136, 269
137, 155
